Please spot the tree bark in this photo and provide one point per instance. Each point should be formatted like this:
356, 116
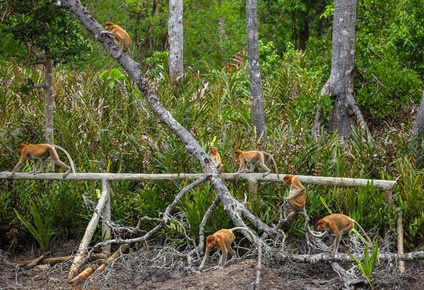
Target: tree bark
339, 86
233, 208
176, 43
255, 70
418, 130
48, 94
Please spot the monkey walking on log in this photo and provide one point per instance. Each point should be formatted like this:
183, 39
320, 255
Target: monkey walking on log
42, 151
254, 157
222, 240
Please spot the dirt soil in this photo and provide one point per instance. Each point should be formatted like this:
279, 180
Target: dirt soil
239, 275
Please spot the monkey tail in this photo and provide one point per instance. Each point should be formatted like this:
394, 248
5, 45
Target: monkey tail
320, 235
69, 157
247, 230
363, 232
275, 163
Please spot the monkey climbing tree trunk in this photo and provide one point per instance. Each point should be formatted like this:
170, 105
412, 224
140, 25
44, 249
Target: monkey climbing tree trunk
176, 44
339, 86
255, 70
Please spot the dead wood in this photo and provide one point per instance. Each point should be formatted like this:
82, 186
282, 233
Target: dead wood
342, 257
35, 262
57, 260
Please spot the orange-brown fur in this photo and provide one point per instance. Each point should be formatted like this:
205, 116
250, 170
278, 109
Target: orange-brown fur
122, 39
254, 157
222, 240
295, 202
41, 151
216, 159
338, 224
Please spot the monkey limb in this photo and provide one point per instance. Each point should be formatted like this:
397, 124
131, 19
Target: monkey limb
254, 157
121, 37
339, 224
41, 151
216, 159
295, 203
222, 240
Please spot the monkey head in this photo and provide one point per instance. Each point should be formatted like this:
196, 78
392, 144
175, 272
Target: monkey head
237, 153
20, 148
213, 150
109, 25
322, 223
210, 241
287, 179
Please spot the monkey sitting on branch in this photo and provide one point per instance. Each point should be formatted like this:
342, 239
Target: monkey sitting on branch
254, 157
338, 224
216, 159
121, 37
41, 151
222, 240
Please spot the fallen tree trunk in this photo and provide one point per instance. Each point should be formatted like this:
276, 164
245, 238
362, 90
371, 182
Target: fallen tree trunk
54, 261
342, 257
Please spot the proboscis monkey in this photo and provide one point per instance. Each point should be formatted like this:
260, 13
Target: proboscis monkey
222, 240
121, 37
216, 159
338, 224
41, 151
295, 202
254, 157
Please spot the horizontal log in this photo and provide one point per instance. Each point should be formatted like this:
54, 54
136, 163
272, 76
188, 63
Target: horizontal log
342, 257
386, 185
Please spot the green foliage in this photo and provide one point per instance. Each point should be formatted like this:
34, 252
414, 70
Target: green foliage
43, 231
50, 28
410, 199
368, 266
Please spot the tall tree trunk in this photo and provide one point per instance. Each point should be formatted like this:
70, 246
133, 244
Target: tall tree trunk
49, 101
255, 70
48, 93
176, 44
304, 32
418, 132
340, 84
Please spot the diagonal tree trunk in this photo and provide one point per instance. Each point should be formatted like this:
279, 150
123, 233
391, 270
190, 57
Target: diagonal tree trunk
233, 208
255, 70
339, 86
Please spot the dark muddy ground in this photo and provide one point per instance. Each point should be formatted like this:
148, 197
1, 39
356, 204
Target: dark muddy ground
134, 272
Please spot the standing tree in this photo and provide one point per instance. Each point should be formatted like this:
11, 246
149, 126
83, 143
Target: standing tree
176, 43
340, 84
52, 36
255, 70
418, 132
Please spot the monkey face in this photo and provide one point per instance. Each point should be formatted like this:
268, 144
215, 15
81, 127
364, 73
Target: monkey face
213, 150
237, 153
287, 179
109, 25
321, 225
20, 148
